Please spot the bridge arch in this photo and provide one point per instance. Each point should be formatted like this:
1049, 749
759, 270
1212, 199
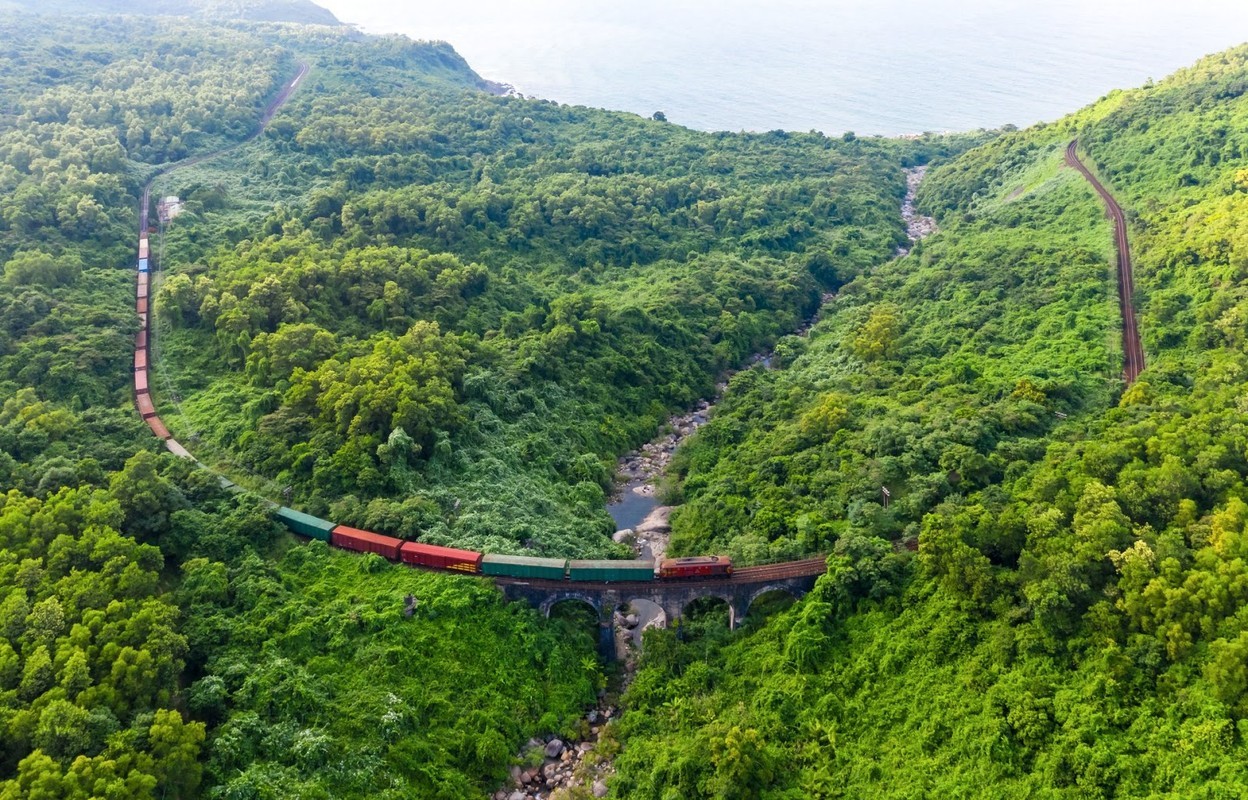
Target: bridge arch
562, 597
726, 599
795, 592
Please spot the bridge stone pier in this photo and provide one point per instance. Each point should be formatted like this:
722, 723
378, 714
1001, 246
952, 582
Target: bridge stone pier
739, 593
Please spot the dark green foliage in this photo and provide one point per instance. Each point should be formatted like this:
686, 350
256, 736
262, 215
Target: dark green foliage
479, 302
1072, 625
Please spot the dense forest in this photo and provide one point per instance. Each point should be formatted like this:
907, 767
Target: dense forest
1072, 623
459, 313
442, 314
160, 637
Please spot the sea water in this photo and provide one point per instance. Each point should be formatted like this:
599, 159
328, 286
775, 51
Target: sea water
870, 66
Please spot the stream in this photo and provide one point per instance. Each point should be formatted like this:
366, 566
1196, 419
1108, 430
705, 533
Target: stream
553, 766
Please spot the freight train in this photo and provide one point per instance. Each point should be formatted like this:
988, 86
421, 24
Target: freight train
432, 556
412, 553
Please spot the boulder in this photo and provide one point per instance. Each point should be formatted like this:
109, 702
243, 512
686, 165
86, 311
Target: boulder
623, 536
554, 748
516, 795
600, 789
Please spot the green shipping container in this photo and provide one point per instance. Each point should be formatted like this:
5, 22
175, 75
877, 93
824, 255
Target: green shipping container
611, 571
305, 524
524, 567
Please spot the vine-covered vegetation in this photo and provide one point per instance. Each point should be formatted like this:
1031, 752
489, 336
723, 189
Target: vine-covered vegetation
481, 301
160, 638
1072, 623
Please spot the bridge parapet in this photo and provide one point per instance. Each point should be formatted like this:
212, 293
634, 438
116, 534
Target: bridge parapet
672, 597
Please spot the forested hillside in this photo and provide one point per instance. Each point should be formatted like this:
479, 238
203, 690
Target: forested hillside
1072, 624
300, 11
160, 637
466, 307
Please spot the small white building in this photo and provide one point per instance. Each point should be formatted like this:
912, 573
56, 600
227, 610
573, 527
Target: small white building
168, 208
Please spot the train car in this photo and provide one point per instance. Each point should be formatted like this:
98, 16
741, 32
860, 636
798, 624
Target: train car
696, 567
140, 360
554, 569
146, 409
177, 449
435, 557
158, 427
365, 542
140, 382
142, 284
143, 247
140, 340
141, 306
305, 524
143, 265
611, 571
143, 320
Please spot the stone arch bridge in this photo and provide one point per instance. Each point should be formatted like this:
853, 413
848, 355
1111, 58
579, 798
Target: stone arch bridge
739, 592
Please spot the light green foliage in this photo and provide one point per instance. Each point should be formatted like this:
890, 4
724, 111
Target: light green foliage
89, 655
317, 682
1073, 624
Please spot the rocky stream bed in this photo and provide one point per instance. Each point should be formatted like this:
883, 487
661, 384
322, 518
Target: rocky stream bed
549, 768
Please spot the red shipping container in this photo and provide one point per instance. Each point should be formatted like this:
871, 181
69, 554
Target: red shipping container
157, 427
146, 409
140, 340
140, 382
431, 555
140, 360
141, 305
365, 542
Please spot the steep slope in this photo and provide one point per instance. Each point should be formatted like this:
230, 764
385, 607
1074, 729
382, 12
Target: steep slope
300, 11
1072, 625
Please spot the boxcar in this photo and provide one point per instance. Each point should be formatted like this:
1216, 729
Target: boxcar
365, 542
146, 409
611, 571
431, 555
140, 382
158, 427
304, 524
143, 265
554, 569
696, 567
140, 360
141, 305
143, 247
140, 340
142, 279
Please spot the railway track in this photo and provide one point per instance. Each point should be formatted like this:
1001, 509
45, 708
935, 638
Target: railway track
804, 568
1132, 349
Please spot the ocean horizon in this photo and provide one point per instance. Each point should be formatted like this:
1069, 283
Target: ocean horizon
891, 67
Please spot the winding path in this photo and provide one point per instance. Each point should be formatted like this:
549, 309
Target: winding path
1132, 349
